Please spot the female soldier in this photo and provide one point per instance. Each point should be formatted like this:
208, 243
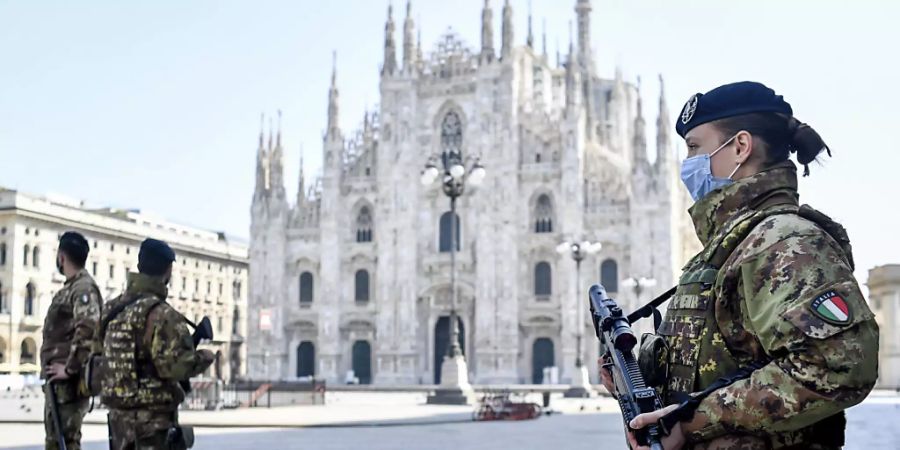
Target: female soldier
771, 293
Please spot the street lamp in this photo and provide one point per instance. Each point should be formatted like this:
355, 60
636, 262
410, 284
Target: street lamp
455, 388
578, 251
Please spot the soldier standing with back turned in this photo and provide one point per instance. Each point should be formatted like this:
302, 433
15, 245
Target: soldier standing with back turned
147, 350
69, 329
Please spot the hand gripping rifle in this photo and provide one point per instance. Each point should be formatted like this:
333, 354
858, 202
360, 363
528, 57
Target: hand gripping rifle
614, 331
202, 330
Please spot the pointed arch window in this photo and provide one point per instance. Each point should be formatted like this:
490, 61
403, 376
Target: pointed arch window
306, 288
29, 299
609, 275
362, 286
451, 137
542, 280
446, 224
364, 225
26, 253
35, 256
4, 308
543, 215
2, 253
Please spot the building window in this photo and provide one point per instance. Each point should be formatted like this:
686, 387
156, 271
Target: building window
237, 290
306, 288
36, 256
221, 289
25, 255
543, 215
183, 283
197, 286
94, 268
364, 225
219, 324
112, 270
27, 351
2, 253
112, 247
445, 226
362, 286
609, 275
542, 280
29, 299
451, 136
208, 287
4, 308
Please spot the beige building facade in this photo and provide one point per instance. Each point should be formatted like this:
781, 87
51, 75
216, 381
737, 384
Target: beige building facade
209, 276
884, 299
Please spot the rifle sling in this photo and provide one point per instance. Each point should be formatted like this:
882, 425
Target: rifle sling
651, 309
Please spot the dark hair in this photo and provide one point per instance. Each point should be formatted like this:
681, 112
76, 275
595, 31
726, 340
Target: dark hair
782, 135
75, 247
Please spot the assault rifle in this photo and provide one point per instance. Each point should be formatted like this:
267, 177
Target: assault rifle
202, 330
54, 411
614, 331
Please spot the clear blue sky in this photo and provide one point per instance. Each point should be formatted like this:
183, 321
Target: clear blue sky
156, 105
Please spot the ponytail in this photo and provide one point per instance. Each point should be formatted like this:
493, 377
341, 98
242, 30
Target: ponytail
781, 134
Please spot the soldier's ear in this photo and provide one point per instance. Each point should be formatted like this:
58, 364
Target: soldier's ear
744, 144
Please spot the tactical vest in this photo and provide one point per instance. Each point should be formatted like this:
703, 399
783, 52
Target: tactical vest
129, 379
697, 352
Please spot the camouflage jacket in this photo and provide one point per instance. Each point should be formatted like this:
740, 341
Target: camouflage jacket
71, 323
785, 294
147, 349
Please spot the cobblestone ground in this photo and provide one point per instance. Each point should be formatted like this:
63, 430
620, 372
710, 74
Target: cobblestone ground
873, 425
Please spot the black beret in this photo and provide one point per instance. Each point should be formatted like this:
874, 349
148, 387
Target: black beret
155, 257
730, 100
75, 246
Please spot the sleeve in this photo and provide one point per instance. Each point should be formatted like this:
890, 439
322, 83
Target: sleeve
86, 303
172, 347
806, 309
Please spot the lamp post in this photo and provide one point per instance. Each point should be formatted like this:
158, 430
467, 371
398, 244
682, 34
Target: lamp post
580, 386
455, 388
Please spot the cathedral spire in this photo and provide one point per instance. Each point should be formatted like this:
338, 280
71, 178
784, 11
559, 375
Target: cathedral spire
583, 11
390, 51
419, 45
276, 164
408, 45
507, 31
640, 125
544, 37
571, 81
333, 127
487, 33
530, 39
301, 182
663, 141
262, 169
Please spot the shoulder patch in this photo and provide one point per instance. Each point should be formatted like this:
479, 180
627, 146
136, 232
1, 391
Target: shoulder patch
85, 299
832, 308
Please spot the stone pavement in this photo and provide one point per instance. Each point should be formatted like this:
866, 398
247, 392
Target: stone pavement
872, 425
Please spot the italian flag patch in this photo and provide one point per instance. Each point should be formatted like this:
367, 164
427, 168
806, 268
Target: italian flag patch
831, 308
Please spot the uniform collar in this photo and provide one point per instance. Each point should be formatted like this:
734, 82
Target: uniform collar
139, 283
777, 184
81, 273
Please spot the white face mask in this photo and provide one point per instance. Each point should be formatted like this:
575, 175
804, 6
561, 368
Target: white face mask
696, 173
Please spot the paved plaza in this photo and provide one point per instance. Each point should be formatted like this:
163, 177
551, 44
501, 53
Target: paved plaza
872, 425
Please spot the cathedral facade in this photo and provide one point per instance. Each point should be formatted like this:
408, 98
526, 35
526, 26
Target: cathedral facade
354, 275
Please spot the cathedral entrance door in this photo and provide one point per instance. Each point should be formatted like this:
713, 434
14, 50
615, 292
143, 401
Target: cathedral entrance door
362, 361
541, 356
306, 359
442, 343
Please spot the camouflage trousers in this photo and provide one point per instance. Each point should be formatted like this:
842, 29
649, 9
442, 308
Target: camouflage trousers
71, 414
138, 429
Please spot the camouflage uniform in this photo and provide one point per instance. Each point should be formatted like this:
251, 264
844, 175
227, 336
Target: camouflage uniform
147, 349
758, 293
68, 332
